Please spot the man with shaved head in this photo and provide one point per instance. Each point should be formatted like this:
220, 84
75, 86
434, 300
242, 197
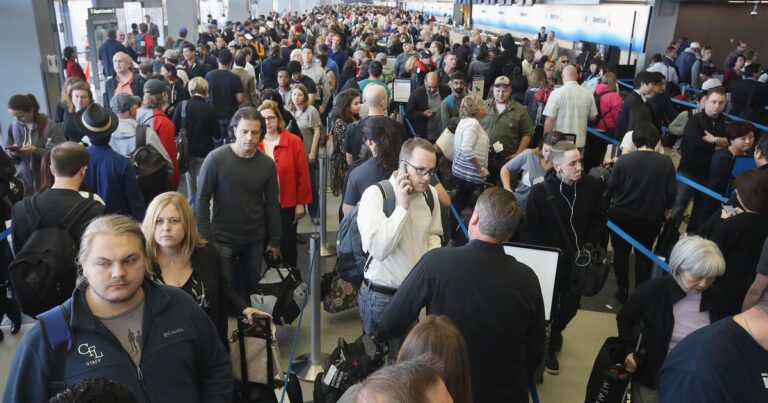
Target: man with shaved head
423, 108
124, 79
570, 107
375, 100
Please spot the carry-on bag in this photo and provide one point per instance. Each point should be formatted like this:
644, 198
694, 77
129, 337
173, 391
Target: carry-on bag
280, 293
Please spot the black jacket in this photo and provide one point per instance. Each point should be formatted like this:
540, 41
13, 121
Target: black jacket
224, 302
543, 226
695, 153
740, 239
418, 103
269, 71
622, 120
496, 303
496, 67
202, 126
137, 87
652, 304
748, 94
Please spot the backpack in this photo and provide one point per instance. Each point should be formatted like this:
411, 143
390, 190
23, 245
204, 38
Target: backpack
43, 273
55, 326
280, 292
352, 260
511, 69
349, 364
150, 166
182, 141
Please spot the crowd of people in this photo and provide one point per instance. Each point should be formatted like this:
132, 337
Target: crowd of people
257, 104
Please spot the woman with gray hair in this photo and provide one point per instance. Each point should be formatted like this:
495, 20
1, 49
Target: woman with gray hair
470, 151
669, 308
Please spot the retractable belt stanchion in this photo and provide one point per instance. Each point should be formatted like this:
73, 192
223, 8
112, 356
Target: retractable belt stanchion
309, 365
325, 249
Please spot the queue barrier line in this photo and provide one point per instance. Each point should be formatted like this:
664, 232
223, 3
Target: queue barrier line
703, 189
626, 83
5, 234
638, 246
407, 122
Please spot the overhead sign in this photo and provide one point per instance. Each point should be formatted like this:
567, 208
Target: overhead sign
101, 10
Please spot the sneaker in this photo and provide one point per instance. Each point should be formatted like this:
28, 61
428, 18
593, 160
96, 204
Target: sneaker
552, 366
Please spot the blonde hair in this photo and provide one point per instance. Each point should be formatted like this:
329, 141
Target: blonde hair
293, 107
471, 105
410, 63
272, 106
609, 79
114, 225
198, 85
192, 238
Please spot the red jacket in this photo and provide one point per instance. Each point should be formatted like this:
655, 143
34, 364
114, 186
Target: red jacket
292, 170
73, 69
610, 104
166, 130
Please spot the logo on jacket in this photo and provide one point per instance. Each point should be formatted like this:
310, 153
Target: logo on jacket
90, 351
765, 380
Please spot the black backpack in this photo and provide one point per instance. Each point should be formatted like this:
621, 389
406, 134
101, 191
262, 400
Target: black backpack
182, 141
150, 166
349, 364
43, 273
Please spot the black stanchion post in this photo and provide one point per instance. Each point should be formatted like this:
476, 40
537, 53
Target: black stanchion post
307, 366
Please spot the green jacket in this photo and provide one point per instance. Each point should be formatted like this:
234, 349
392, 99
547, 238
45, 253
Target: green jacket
507, 127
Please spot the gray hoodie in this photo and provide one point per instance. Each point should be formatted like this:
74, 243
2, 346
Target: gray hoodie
124, 139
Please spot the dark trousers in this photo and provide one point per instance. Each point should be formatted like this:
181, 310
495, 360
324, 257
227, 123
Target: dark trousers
644, 231
224, 130
288, 242
565, 306
495, 163
314, 179
465, 193
243, 265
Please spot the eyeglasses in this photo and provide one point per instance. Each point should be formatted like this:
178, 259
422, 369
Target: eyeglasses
421, 171
270, 117
565, 61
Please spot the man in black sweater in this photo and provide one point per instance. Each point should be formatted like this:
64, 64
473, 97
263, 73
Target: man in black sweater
506, 62
645, 83
493, 299
242, 181
566, 211
701, 134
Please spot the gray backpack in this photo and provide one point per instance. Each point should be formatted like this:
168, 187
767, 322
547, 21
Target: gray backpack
352, 260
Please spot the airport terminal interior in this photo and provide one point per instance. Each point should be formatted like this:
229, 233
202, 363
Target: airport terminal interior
543, 98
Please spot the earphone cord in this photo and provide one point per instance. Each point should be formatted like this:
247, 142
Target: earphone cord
570, 221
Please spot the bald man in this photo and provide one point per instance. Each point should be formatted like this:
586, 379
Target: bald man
423, 108
375, 100
570, 108
124, 79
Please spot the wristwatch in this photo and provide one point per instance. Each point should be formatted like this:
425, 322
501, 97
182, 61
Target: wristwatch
714, 140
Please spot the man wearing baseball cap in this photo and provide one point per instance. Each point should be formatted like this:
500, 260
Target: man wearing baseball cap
508, 125
109, 174
179, 44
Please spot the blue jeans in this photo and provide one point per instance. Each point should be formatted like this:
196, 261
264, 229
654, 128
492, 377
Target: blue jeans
372, 306
242, 263
224, 130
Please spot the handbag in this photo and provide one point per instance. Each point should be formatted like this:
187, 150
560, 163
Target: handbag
608, 380
337, 294
280, 292
585, 279
589, 279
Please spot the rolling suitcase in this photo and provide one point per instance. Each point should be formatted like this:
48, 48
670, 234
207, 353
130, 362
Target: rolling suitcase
257, 372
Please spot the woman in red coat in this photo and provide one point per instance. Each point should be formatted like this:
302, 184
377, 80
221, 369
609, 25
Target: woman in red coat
608, 105
71, 66
287, 150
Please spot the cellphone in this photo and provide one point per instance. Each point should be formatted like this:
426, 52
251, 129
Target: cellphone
402, 168
728, 208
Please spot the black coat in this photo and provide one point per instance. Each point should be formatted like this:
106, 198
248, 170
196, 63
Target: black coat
224, 301
496, 303
749, 95
418, 103
652, 304
202, 126
137, 87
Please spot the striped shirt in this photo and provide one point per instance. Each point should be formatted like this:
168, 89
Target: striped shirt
470, 141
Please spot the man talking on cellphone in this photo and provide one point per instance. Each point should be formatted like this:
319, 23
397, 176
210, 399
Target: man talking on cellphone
398, 238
